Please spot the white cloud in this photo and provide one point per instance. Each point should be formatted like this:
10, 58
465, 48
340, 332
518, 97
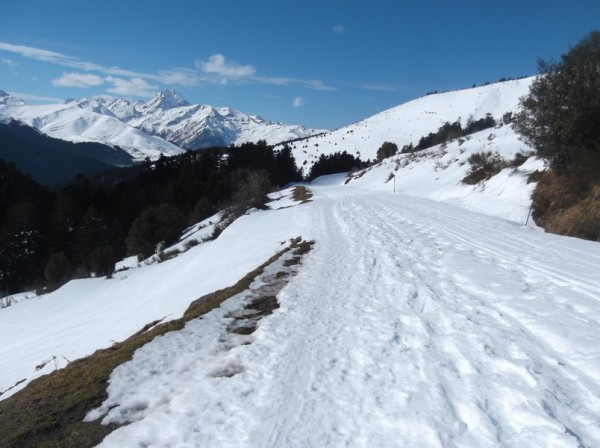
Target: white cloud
54, 57
48, 56
174, 77
217, 69
379, 87
298, 101
218, 65
312, 84
339, 29
27, 96
78, 80
180, 77
9, 62
131, 87
316, 85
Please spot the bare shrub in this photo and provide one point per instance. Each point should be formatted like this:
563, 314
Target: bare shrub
484, 165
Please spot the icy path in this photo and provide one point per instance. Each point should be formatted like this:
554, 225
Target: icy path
412, 323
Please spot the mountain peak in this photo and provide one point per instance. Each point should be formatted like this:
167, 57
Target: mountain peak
9, 100
166, 99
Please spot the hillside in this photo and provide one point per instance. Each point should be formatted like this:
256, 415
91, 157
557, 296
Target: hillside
407, 123
431, 315
52, 161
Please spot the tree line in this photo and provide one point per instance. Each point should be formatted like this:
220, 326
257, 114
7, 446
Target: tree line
48, 236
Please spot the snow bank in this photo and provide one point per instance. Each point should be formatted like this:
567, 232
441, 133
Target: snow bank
88, 314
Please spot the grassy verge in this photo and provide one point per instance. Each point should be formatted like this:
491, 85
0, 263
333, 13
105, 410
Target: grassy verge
301, 194
50, 410
263, 300
568, 204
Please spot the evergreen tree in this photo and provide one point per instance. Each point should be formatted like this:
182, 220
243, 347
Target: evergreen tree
57, 270
386, 150
338, 162
286, 168
160, 224
102, 260
561, 115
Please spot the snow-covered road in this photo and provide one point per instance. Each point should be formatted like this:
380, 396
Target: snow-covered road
411, 323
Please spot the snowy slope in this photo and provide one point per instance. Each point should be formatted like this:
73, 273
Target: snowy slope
437, 173
410, 121
87, 314
9, 100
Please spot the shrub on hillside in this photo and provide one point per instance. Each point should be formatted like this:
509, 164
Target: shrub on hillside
473, 126
386, 150
559, 206
252, 190
520, 158
451, 131
484, 165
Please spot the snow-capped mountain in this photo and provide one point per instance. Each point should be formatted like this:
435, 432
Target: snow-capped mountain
9, 100
165, 124
72, 122
192, 126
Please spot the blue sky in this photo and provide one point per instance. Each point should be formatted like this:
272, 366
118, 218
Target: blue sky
322, 64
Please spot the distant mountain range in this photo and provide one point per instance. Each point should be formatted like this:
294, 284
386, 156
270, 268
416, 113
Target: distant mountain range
168, 124
165, 124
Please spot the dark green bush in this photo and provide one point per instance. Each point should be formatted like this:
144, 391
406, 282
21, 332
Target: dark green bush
386, 150
560, 117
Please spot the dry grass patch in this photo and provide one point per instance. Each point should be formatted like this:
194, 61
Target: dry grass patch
264, 299
581, 219
301, 194
567, 205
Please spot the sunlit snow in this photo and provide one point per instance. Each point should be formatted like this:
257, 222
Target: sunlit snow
431, 315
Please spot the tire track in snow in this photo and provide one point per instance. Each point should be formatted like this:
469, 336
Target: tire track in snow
404, 327
534, 264
398, 342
